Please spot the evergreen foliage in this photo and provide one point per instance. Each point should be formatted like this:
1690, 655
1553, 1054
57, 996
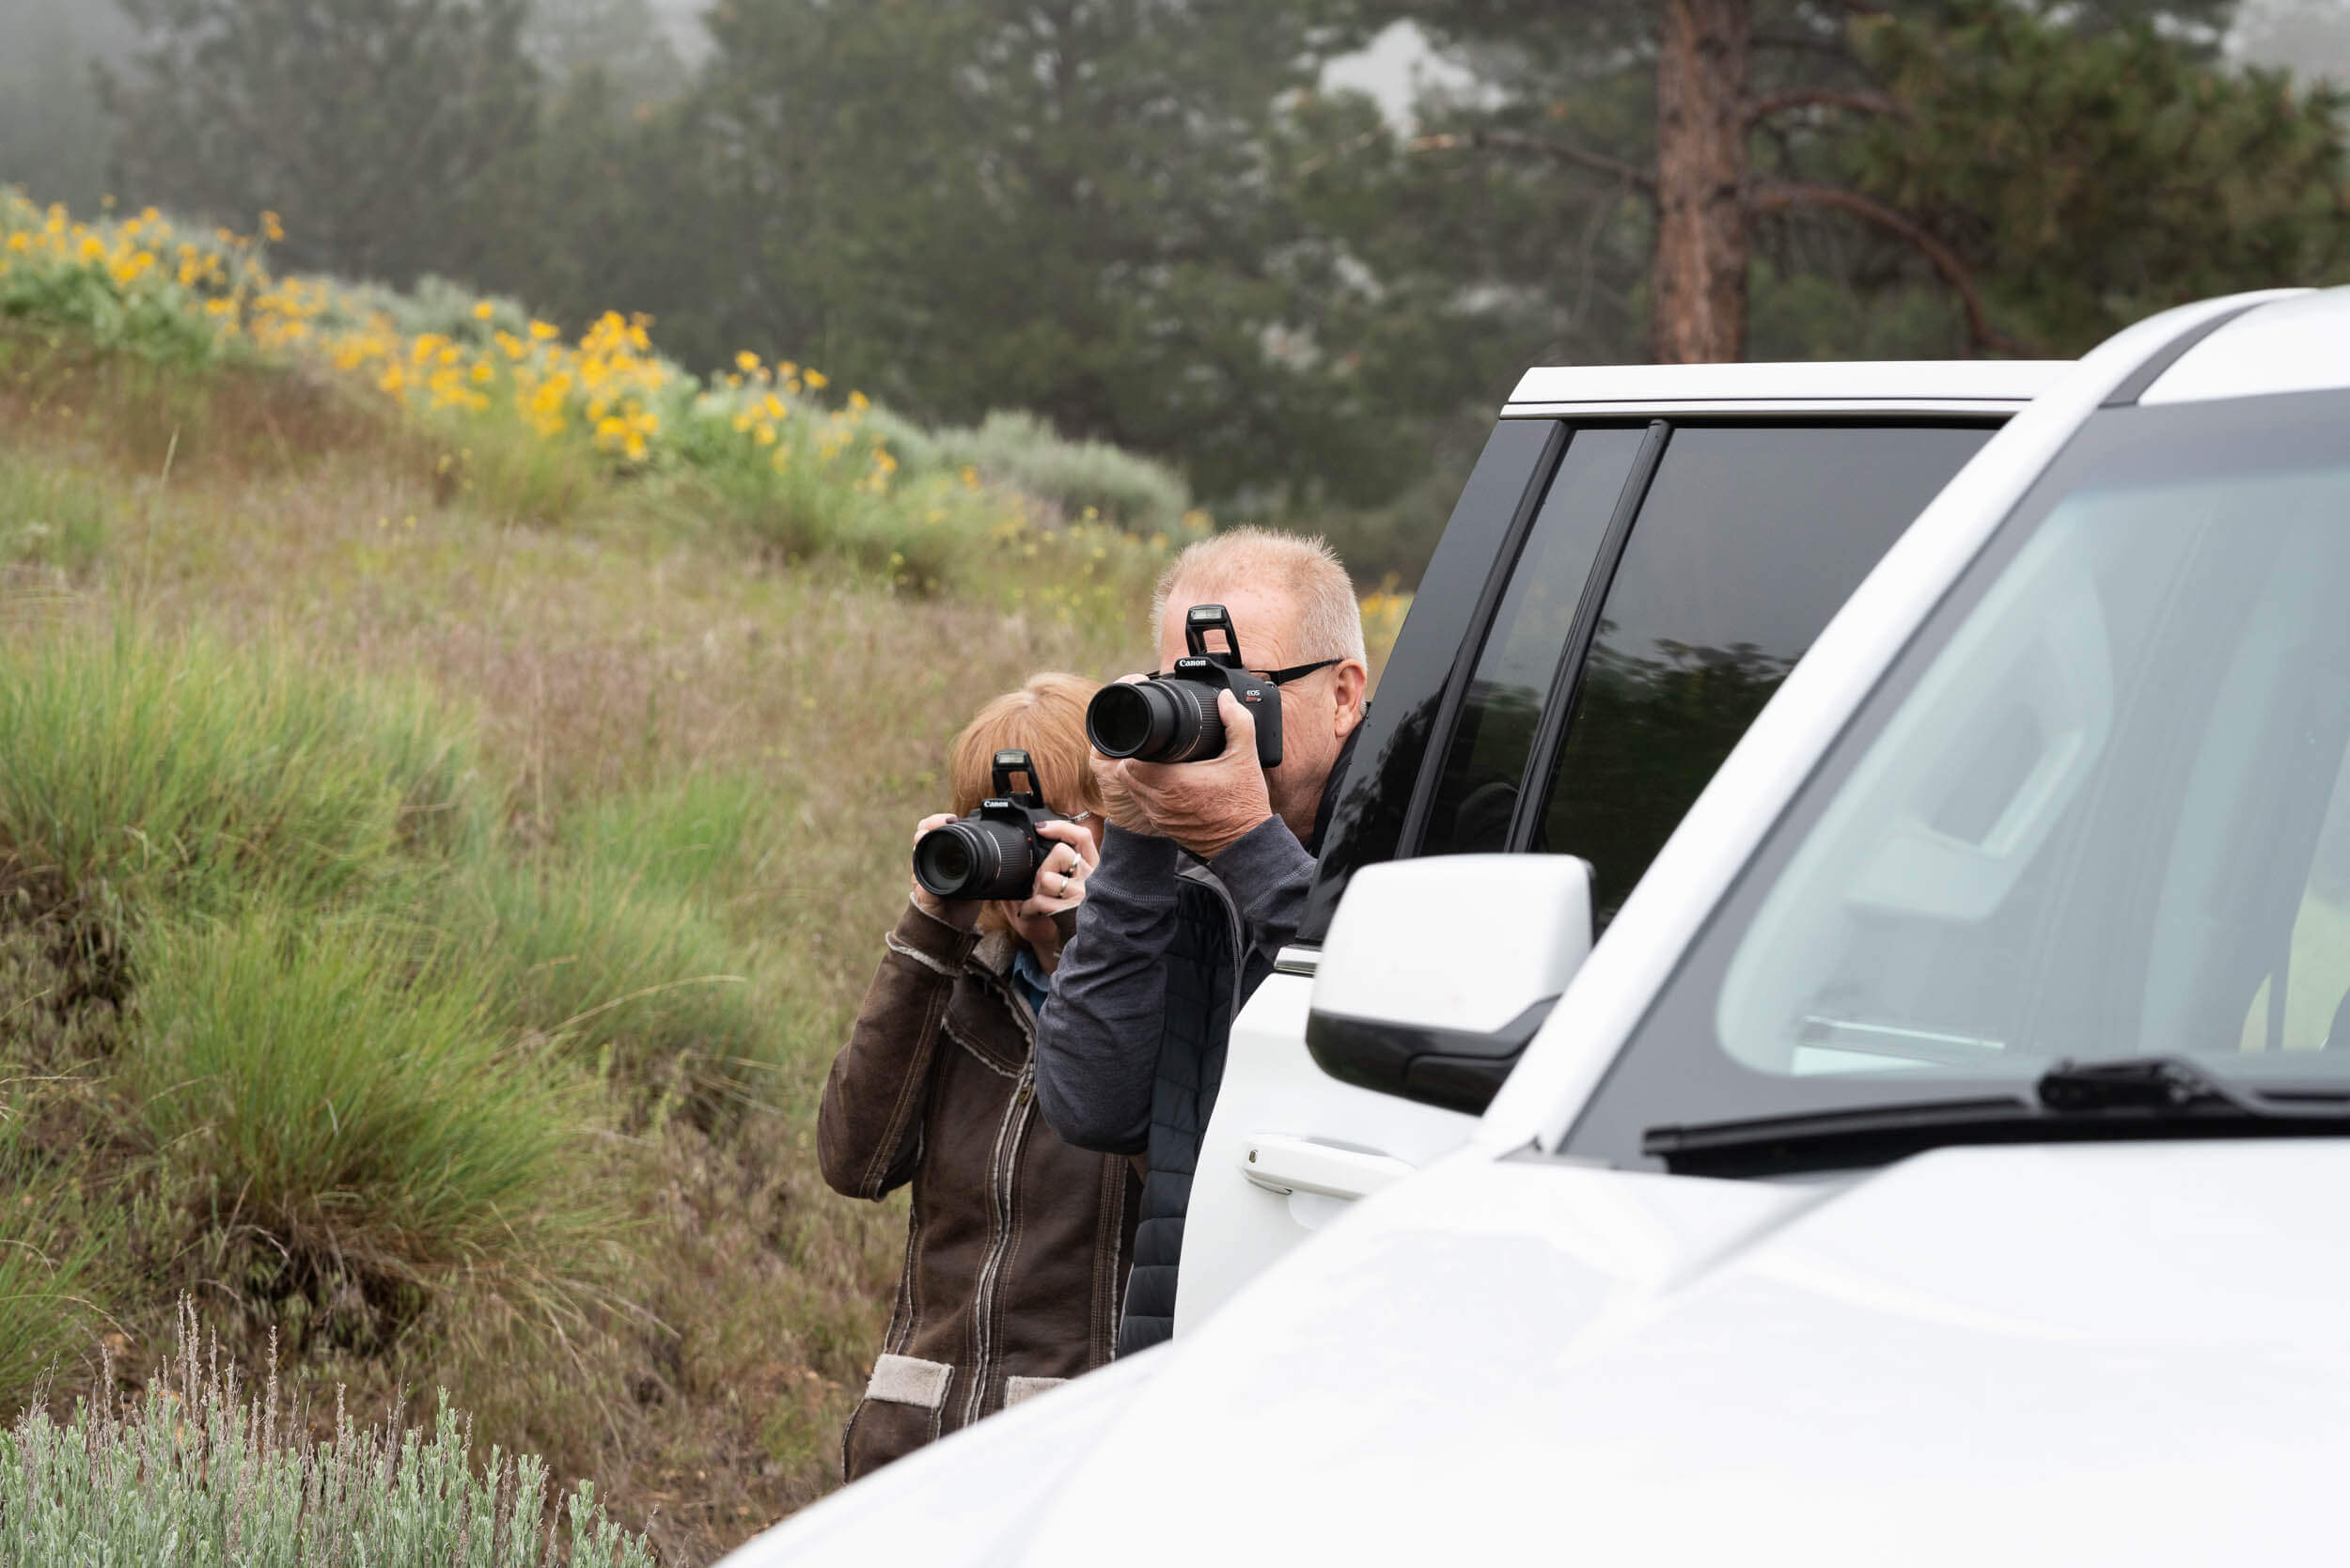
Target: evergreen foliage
1146, 225
2089, 181
382, 130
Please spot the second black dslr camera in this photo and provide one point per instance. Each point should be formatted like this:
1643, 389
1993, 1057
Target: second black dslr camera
994, 852
1172, 717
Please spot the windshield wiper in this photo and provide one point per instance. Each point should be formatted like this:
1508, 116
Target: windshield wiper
2135, 1083
2073, 1101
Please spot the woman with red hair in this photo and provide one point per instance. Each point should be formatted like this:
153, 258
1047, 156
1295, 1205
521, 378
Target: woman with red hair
1018, 1244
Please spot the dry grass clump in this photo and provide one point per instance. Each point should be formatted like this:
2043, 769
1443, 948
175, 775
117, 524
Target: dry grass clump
149, 772
51, 1245
144, 412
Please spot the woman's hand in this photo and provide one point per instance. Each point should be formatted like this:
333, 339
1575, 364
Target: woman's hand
961, 913
1060, 884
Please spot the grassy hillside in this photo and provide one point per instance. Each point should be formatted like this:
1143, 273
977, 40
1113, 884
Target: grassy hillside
456, 783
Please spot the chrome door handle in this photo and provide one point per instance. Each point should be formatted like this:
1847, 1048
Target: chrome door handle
1281, 1163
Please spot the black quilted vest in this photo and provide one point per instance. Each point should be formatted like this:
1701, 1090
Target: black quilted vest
1201, 1000
1200, 1006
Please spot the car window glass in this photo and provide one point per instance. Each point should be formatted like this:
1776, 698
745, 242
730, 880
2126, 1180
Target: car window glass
2310, 985
2100, 824
2097, 809
1485, 763
1750, 538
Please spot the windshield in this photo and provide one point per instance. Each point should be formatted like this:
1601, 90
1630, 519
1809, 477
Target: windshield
2098, 810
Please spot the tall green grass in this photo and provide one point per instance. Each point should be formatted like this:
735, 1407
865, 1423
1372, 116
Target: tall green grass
714, 836
505, 470
343, 1086
200, 1473
151, 773
50, 517
618, 971
266, 912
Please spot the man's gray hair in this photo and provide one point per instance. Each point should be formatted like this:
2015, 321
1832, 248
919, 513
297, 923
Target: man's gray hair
1330, 621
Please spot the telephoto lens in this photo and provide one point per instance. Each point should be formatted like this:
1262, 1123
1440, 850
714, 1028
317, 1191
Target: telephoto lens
1156, 721
975, 858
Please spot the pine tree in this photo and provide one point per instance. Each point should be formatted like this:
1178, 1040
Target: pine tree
1756, 140
1069, 206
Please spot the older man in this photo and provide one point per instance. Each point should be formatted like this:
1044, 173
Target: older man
1202, 879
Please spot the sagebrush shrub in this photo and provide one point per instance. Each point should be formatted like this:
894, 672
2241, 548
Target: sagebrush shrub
198, 1472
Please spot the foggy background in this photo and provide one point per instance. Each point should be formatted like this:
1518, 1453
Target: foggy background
1292, 248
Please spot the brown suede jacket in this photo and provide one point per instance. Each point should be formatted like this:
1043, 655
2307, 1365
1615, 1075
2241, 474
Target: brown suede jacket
1018, 1246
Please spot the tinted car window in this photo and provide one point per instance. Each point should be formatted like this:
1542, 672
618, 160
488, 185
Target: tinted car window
1485, 763
2092, 812
1750, 538
1375, 793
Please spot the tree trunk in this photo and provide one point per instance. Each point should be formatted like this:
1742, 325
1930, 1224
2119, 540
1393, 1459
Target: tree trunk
1699, 309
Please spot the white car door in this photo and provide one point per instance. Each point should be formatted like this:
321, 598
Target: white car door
1270, 1172
1289, 1146
1574, 702
1454, 986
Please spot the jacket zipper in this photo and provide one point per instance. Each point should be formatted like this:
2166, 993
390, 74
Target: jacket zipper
1008, 1140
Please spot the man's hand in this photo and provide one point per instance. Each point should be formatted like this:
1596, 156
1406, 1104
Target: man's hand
1118, 805
1206, 807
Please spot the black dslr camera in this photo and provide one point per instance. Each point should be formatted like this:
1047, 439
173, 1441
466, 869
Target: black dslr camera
1172, 717
994, 852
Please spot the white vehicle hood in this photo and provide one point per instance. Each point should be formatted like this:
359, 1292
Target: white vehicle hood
2123, 1353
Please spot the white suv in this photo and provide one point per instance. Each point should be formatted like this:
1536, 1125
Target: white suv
1939, 1159
1640, 557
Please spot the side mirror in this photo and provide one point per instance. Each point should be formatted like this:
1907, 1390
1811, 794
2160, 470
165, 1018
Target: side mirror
1437, 972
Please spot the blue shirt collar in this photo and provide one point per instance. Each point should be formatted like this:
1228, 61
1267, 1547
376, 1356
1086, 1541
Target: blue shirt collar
1034, 983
